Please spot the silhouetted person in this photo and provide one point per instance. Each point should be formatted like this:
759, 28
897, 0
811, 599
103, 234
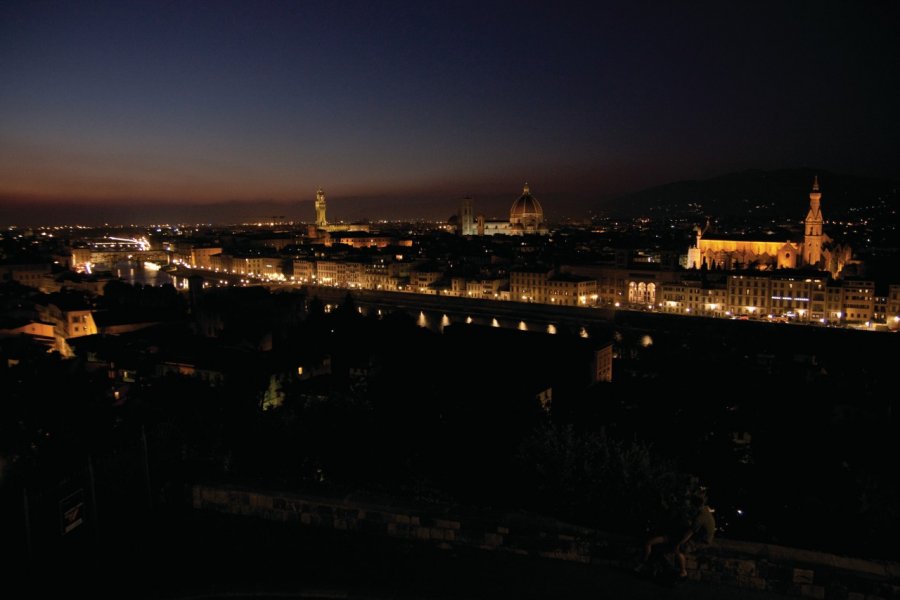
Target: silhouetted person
698, 533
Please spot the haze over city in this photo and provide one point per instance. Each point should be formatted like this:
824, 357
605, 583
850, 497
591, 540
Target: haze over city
120, 111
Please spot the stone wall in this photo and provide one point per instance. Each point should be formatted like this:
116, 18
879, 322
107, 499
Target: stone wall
766, 567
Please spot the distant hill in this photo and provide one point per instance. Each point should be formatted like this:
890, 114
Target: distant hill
779, 193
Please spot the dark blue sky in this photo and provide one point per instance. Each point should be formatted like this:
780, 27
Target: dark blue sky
200, 102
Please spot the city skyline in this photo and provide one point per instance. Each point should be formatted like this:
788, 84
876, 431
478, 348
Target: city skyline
450, 299
403, 107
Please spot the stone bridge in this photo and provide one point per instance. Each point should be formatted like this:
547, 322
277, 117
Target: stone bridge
436, 312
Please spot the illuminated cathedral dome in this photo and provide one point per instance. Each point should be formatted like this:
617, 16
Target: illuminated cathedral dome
526, 213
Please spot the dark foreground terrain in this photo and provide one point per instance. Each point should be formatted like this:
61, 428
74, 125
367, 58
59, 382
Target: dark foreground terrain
210, 556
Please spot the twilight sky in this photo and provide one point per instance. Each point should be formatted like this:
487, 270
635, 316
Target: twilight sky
415, 104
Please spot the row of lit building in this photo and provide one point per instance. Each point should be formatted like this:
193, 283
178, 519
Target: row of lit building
782, 294
782, 297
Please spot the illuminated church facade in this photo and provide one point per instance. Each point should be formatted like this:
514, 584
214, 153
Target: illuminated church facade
816, 250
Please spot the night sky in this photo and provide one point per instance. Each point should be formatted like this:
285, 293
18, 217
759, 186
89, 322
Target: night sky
419, 103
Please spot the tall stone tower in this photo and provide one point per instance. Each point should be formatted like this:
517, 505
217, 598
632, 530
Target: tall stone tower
320, 208
467, 217
812, 239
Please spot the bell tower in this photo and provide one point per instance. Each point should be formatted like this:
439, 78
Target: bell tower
320, 208
812, 238
466, 217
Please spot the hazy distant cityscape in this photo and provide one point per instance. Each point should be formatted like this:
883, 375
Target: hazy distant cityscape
661, 261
